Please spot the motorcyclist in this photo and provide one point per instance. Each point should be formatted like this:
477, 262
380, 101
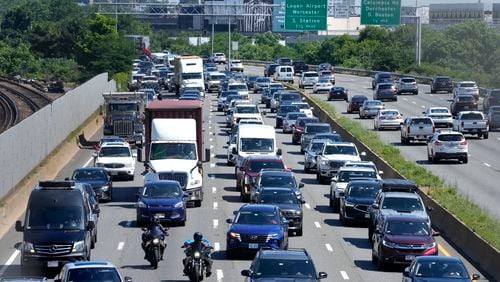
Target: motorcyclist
203, 245
154, 229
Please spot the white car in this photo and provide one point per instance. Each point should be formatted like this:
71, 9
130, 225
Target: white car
367, 164
304, 108
242, 88
344, 175
388, 118
323, 85
236, 65
370, 108
246, 111
308, 78
332, 158
466, 88
91, 271
328, 74
447, 145
441, 116
218, 58
117, 158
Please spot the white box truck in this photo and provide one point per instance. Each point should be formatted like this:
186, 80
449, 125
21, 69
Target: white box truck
189, 73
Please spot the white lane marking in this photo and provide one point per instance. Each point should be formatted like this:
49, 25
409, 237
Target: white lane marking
88, 162
9, 261
212, 177
212, 155
329, 247
215, 223
211, 139
432, 95
216, 205
120, 246
211, 146
469, 155
210, 121
214, 190
440, 98
406, 99
307, 206
129, 223
413, 102
487, 164
220, 275
216, 246
212, 165
423, 107
317, 224
344, 275
210, 127
211, 133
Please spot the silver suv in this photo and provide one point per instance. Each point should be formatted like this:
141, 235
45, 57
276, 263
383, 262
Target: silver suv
406, 85
447, 145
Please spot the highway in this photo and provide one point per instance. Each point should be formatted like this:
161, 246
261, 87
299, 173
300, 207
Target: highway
477, 180
343, 252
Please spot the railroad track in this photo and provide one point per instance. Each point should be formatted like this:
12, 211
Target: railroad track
30, 97
9, 112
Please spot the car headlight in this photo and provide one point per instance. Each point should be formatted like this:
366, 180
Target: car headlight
78, 246
325, 162
388, 243
234, 235
430, 245
105, 188
141, 204
156, 241
197, 255
273, 236
298, 212
349, 204
179, 205
28, 247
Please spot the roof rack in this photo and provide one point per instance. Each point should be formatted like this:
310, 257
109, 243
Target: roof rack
56, 184
399, 185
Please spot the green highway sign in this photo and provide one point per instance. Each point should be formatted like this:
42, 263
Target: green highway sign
306, 14
380, 12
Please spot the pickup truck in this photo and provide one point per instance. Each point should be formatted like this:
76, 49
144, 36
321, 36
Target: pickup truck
417, 129
332, 158
471, 122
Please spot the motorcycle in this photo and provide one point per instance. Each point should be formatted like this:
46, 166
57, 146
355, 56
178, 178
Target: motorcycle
196, 268
154, 249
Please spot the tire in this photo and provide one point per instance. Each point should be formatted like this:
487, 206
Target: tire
299, 232
197, 203
307, 170
294, 142
429, 158
131, 178
335, 204
485, 135
435, 160
403, 141
479, 135
370, 233
465, 160
342, 219
381, 265
230, 254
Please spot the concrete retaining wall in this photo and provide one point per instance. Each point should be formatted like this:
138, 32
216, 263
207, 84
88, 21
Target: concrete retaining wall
24, 146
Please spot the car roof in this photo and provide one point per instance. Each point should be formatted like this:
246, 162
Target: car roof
115, 144
276, 172
264, 157
356, 168
291, 254
318, 124
438, 258
405, 217
90, 264
342, 143
257, 207
365, 181
87, 168
390, 194
172, 182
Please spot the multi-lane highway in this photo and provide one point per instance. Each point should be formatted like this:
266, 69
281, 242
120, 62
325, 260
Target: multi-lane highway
343, 252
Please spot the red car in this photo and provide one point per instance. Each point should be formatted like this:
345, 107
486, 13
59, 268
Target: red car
249, 170
298, 128
398, 239
355, 103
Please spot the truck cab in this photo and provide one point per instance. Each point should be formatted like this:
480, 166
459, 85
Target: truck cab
189, 73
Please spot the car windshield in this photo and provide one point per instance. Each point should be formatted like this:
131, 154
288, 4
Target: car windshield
114, 152
466, 98
373, 103
106, 274
287, 109
468, 84
123, 107
450, 137
162, 191
257, 217
237, 87
257, 144
311, 74
285, 181
317, 129
284, 268
259, 165
346, 176
278, 197
340, 149
326, 73
338, 89
363, 190
263, 80
183, 151
196, 75
385, 86
303, 122
217, 77
332, 137
48, 217
441, 269
408, 228
408, 80
290, 97
472, 116
247, 110
402, 204
316, 146
90, 174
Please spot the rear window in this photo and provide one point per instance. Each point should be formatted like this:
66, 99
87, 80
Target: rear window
495, 94
286, 69
290, 97
359, 99
450, 137
408, 80
302, 122
443, 79
326, 73
467, 85
311, 74
317, 128
472, 116
385, 86
421, 121
465, 98
384, 76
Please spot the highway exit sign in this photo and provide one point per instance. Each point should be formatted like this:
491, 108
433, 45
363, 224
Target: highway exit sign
306, 14
380, 12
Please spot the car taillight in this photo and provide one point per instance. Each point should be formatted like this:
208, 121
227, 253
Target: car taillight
298, 129
463, 142
438, 143
409, 129
433, 129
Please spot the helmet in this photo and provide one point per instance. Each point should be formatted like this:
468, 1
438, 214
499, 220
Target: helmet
155, 220
197, 236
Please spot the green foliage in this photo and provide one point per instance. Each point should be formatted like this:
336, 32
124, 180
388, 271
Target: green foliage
121, 79
17, 60
62, 68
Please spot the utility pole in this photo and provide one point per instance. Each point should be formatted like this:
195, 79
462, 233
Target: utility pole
418, 47
229, 45
212, 35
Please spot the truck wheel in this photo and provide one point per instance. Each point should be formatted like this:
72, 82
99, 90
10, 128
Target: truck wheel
465, 160
479, 135
197, 203
485, 135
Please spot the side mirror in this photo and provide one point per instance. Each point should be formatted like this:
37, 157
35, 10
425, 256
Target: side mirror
234, 151
301, 185
406, 272
380, 172
66, 178
246, 273
322, 275
476, 276
90, 225
302, 201
128, 279
264, 113
363, 154
279, 152
229, 220
375, 206
94, 154
342, 194
334, 179
435, 233
376, 231
19, 226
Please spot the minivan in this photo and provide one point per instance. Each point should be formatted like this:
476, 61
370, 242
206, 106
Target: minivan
284, 73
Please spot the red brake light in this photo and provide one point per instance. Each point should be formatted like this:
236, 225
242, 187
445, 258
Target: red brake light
433, 129
438, 143
463, 142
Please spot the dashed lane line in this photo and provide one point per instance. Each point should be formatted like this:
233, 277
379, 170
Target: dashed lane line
307, 206
344, 275
317, 224
216, 246
9, 261
487, 164
215, 223
329, 247
214, 190
120, 246
220, 275
212, 165
216, 205
88, 162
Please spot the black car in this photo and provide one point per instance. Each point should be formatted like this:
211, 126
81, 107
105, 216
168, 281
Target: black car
358, 196
491, 99
292, 265
300, 67
287, 201
250, 81
270, 69
355, 103
282, 111
438, 268
58, 226
338, 93
463, 103
98, 178
381, 77
284, 62
441, 83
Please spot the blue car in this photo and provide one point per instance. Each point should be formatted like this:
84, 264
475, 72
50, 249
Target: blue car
164, 200
98, 178
255, 227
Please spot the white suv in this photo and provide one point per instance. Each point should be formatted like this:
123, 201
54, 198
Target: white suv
117, 158
340, 181
447, 145
332, 158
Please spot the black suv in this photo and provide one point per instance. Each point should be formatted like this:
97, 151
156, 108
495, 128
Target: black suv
300, 67
287, 201
441, 83
358, 197
270, 69
293, 264
58, 226
284, 61
492, 98
381, 77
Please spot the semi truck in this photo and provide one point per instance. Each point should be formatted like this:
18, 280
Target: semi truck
123, 115
188, 72
174, 145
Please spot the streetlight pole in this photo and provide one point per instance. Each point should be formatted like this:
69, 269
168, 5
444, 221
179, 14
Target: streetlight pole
212, 35
418, 46
229, 45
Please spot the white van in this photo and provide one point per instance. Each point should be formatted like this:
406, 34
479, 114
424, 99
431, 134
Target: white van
255, 139
284, 73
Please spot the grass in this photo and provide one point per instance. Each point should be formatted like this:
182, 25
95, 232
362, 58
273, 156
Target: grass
447, 195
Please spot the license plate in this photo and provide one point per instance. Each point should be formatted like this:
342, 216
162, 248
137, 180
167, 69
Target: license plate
253, 246
113, 172
466, 107
160, 215
409, 258
367, 215
52, 263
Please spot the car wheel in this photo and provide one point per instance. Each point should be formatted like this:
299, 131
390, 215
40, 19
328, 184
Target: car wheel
465, 160
435, 160
403, 141
197, 203
306, 169
381, 265
342, 219
335, 204
429, 157
299, 232
230, 254
374, 258
485, 135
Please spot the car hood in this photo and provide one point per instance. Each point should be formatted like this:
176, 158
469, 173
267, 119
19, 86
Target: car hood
119, 160
417, 240
45, 237
255, 229
341, 158
421, 214
165, 202
173, 165
277, 279
94, 183
288, 207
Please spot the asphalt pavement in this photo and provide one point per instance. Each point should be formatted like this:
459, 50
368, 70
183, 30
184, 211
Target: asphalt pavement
343, 252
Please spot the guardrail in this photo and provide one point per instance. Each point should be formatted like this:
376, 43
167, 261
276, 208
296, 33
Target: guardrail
362, 72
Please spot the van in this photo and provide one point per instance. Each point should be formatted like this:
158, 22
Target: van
284, 73
58, 226
255, 139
